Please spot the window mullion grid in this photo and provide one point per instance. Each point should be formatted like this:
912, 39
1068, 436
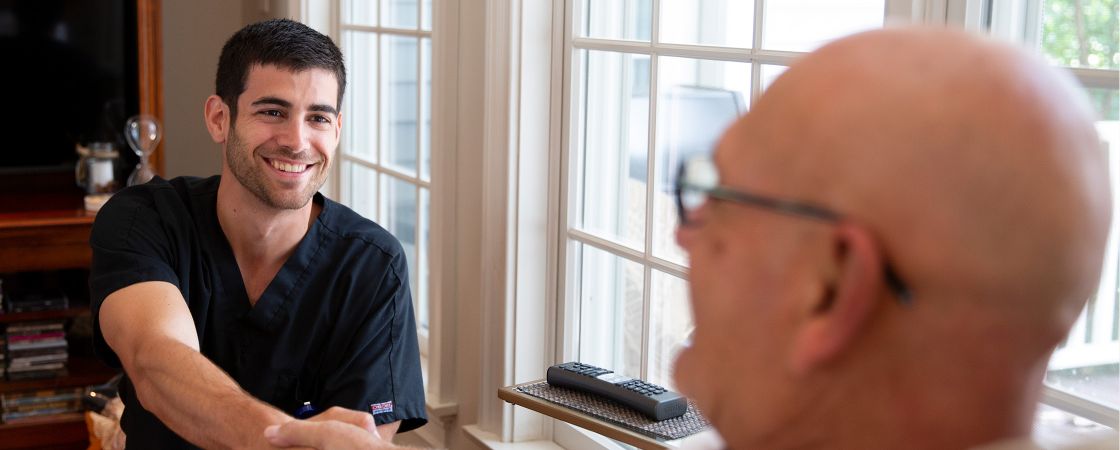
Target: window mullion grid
756, 45
625, 252
388, 171
567, 287
651, 170
378, 157
417, 230
383, 30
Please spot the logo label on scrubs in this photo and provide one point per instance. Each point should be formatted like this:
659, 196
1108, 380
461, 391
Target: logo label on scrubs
381, 408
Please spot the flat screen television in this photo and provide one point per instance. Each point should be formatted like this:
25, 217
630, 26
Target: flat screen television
70, 78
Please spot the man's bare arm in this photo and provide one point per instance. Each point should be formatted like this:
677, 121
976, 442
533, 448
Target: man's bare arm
151, 330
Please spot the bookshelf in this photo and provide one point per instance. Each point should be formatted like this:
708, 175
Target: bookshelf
40, 241
43, 227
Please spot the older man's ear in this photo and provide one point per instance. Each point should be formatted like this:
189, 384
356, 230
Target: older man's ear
844, 308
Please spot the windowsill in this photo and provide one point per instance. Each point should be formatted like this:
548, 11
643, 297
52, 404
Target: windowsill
493, 442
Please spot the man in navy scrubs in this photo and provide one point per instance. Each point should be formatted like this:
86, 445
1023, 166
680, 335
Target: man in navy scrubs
242, 300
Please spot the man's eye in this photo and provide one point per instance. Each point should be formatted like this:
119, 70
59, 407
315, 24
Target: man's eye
321, 119
272, 113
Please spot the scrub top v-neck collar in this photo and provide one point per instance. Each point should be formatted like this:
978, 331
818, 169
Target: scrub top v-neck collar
271, 309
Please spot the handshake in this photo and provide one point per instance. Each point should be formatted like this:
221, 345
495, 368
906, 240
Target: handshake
335, 429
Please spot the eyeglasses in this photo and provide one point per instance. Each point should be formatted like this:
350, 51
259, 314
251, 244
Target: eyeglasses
698, 181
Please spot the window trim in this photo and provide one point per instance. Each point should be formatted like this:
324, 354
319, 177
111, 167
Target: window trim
1023, 27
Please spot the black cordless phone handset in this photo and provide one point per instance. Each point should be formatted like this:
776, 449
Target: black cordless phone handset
652, 400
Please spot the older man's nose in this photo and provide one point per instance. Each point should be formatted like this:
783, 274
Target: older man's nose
693, 221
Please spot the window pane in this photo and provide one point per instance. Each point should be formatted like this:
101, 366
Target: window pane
617, 19
426, 18
670, 323
1088, 362
728, 23
399, 13
804, 25
1081, 33
398, 215
362, 192
359, 124
424, 266
399, 96
359, 12
770, 73
612, 148
610, 319
426, 109
697, 100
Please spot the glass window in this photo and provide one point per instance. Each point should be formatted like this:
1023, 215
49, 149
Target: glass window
400, 95
1088, 362
636, 110
670, 324
697, 99
360, 104
610, 293
614, 106
399, 13
386, 144
725, 23
359, 12
362, 188
1081, 33
616, 19
398, 215
1084, 34
804, 25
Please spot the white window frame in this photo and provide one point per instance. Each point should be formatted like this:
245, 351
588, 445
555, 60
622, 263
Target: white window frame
1021, 24
438, 345
896, 12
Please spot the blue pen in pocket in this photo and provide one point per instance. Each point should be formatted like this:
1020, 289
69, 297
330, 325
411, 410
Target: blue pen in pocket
306, 411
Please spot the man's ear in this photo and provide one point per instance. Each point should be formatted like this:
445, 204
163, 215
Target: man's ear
845, 306
217, 117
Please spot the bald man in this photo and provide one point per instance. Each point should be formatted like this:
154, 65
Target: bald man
914, 219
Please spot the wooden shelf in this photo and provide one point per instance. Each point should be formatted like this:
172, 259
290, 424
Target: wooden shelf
45, 240
53, 419
62, 431
81, 371
33, 316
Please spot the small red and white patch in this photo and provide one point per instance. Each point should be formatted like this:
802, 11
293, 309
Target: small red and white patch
381, 408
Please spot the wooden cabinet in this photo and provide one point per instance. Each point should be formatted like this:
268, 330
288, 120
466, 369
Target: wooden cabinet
42, 229
39, 241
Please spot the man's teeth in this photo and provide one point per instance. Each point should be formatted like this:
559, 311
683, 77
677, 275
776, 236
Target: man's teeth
285, 167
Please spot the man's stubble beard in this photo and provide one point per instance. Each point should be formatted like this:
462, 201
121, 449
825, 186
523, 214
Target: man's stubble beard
240, 160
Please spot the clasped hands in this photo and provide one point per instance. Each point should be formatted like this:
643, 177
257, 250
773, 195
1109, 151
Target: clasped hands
334, 429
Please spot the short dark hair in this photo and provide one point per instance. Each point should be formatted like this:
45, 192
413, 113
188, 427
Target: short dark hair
285, 43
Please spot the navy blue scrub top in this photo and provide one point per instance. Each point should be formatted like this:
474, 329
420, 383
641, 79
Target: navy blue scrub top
335, 327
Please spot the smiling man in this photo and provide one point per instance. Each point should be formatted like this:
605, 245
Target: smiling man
247, 299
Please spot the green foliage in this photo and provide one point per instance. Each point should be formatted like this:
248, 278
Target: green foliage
1094, 41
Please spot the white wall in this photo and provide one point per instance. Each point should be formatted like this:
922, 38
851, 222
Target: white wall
193, 34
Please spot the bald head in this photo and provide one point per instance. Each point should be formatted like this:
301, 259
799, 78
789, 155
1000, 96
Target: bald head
976, 167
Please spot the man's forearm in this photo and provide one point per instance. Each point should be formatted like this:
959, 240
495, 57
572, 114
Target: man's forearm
196, 399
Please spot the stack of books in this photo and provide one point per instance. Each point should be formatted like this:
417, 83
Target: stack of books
26, 405
49, 300
36, 349
3, 354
